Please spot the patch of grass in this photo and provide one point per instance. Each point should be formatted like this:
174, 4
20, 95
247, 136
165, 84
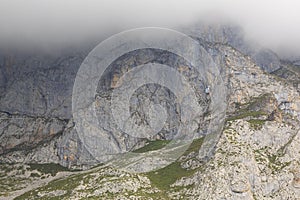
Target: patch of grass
195, 146
162, 195
34, 175
48, 168
259, 99
252, 109
282, 150
11, 182
152, 146
256, 124
5, 167
67, 184
263, 156
164, 177
275, 164
246, 114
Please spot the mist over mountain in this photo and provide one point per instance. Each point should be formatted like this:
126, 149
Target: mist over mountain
52, 25
244, 144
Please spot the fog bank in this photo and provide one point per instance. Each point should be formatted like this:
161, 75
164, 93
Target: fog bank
61, 23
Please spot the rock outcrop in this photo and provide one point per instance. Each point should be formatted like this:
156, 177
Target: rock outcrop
256, 156
36, 92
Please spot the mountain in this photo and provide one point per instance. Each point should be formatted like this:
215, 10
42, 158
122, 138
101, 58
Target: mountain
254, 158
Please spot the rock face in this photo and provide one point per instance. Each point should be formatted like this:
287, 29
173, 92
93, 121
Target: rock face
26, 133
38, 85
234, 36
35, 95
256, 156
67, 148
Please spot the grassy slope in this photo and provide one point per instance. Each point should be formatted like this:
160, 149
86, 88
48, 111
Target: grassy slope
161, 179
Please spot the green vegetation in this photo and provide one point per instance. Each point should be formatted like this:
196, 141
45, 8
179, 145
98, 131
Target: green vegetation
34, 175
164, 177
252, 109
158, 144
246, 114
272, 160
275, 164
258, 100
17, 176
12, 178
256, 124
195, 146
48, 168
152, 146
67, 184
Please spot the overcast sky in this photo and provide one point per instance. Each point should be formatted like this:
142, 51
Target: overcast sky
273, 23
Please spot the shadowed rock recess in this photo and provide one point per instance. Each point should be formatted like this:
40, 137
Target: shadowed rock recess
256, 156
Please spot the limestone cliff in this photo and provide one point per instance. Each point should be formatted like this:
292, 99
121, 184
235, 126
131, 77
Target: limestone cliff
256, 156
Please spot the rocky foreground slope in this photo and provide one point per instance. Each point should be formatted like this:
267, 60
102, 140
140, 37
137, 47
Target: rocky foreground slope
257, 156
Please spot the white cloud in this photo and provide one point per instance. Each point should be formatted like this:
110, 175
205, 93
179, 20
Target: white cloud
274, 23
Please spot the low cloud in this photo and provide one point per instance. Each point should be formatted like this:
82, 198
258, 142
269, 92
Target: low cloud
54, 23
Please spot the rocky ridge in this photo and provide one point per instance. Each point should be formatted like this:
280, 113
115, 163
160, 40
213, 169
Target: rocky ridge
44, 84
255, 158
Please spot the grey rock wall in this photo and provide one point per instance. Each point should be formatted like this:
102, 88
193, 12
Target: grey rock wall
36, 94
38, 85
